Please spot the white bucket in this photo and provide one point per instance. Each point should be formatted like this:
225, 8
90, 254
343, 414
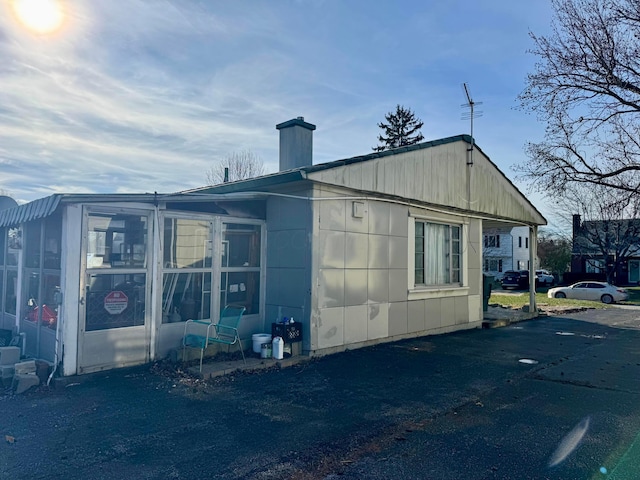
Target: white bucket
258, 339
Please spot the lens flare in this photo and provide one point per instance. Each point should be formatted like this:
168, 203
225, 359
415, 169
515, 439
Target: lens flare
39, 16
570, 442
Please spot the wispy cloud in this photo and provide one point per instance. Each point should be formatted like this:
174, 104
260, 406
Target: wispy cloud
144, 95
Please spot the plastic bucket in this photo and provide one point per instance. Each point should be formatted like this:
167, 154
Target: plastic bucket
258, 339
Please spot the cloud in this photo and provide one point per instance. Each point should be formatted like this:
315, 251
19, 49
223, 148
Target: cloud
145, 95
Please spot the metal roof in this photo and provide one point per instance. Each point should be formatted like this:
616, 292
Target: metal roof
43, 207
40, 208
250, 187
300, 173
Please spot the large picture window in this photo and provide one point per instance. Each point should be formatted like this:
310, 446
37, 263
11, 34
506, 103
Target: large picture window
438, 259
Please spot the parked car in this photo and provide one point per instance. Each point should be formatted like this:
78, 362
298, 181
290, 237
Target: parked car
515, 279
544, 278
596, 291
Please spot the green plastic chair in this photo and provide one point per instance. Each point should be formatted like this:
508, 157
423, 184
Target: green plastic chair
224, 332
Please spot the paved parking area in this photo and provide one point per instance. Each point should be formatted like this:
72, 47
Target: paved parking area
555, 397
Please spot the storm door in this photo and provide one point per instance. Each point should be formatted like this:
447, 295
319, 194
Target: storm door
115, 323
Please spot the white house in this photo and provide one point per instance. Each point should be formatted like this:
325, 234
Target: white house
506, 249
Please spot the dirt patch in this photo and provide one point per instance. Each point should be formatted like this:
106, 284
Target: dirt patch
560, 310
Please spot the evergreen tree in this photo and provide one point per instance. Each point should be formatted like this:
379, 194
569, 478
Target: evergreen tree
402, 129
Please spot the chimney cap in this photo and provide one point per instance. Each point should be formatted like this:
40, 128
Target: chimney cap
296, 121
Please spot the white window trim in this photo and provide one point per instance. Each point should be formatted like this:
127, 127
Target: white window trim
425, 292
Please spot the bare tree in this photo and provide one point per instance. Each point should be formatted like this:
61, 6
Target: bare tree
586, 87
607, 232
242, 165
402, 129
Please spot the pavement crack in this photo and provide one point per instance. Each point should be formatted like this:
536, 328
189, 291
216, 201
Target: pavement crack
578, 383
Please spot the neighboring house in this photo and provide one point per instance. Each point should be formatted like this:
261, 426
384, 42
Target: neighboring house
606, 250
505, 249
359, 251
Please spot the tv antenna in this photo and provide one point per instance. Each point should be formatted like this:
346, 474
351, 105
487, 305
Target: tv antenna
470, 115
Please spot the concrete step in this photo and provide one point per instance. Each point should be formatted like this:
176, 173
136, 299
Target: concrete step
24, 381
26, 366
9, 355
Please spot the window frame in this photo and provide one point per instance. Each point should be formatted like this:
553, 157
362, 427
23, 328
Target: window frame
424, 291
226, 271
492, 260
187, 279
492, 241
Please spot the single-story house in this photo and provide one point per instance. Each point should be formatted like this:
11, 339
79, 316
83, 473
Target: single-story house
358, 251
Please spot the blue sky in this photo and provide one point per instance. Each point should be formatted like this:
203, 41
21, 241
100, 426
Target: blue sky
146, 95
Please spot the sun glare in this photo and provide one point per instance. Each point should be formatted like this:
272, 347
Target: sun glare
39, 16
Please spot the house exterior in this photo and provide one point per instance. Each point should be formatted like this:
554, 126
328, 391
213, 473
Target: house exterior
505, 249
602, 247
359, 251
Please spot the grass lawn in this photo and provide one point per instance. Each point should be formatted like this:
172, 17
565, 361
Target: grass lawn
519, 299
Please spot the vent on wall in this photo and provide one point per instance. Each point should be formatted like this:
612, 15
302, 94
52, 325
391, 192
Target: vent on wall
357, 210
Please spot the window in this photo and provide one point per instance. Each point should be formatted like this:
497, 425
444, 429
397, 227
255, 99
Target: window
240, 274
117, 241
437, 253
493, 265
3, 238
594, 266
41, 278
526, 242
187, 260
519, 242
116, 270
492, 241
13, 243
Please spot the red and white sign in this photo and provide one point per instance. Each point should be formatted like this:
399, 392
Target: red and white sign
116, 302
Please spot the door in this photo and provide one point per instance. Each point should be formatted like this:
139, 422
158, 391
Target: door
580, 291
115, 321
634, 271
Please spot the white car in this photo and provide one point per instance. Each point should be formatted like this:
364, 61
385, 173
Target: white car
596, 291
545, 278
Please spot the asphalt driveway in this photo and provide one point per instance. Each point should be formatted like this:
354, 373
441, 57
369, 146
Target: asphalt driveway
453, 406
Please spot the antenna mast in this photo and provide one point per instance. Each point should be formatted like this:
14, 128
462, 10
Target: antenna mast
470, 115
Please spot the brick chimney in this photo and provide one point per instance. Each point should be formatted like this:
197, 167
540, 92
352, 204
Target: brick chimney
577, 225
296, 143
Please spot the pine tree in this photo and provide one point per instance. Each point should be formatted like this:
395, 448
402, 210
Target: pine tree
402, 129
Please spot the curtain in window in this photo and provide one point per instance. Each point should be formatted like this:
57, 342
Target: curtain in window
436, 239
